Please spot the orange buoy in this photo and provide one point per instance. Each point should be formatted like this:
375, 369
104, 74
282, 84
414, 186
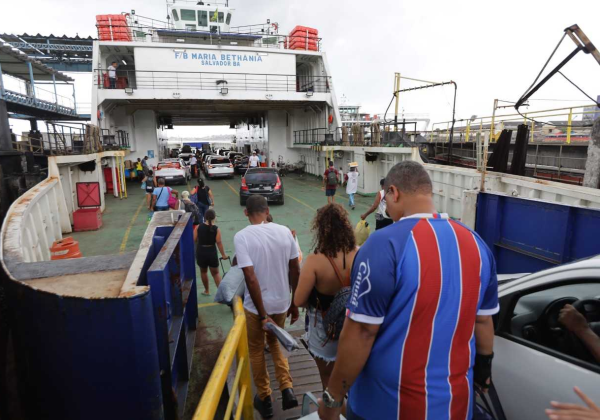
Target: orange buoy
66, 248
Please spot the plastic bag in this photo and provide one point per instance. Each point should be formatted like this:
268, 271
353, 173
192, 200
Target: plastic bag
232, 285
144, 185
362, 232
300, 256
287, 341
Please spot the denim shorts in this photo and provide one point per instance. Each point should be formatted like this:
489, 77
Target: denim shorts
330, 192
318, 343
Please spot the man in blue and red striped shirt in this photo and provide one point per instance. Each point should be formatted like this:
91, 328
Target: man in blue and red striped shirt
419, 316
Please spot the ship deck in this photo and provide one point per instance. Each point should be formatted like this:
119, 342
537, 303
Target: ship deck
126, 220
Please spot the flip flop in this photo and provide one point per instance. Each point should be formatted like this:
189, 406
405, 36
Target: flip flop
205, 294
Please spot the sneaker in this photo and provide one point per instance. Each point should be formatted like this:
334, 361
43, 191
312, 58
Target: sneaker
288, 399
264, 407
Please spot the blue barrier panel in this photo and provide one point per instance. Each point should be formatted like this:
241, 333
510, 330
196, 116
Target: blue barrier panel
530, 235
86, 349
172, 281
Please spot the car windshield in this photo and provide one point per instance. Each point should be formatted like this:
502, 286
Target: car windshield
169, 165
261, 178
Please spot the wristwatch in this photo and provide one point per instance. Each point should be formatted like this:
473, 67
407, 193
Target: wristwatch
264, 318
330, 402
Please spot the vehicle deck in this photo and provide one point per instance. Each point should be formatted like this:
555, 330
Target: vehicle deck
126, 220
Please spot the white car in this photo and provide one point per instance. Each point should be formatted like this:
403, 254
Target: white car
219, 166
174, 171
536, 359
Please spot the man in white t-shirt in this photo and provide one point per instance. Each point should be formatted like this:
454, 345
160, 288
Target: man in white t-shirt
193, 163
268, 255
112, 75
253, 161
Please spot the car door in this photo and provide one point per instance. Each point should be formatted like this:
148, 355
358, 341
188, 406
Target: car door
528, 371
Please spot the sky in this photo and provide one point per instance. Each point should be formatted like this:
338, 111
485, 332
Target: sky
492, 50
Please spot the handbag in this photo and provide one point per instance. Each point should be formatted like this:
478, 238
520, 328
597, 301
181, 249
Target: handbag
173, 202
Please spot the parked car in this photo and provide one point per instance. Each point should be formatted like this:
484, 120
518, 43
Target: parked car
263, 181
205, 162
174, 171
219, 166
241, 165
537, 360
232, 156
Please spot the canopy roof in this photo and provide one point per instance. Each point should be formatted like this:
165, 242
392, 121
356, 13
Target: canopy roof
14, 63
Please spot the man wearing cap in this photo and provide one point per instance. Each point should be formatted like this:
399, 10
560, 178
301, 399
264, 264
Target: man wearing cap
253, 161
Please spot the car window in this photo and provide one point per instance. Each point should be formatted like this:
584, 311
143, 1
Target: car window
220, 161
261, 178
535, 319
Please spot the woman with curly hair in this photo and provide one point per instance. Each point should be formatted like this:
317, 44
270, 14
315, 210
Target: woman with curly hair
323, 274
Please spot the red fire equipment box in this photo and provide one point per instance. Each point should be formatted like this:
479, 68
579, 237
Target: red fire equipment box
89, 215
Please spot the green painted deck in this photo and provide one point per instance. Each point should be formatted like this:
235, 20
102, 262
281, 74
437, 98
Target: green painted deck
125, 222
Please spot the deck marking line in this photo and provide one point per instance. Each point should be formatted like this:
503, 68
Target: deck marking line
231, 188
301, 202
128, 231
206, 305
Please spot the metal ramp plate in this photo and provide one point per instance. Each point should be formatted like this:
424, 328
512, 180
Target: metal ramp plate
305, 375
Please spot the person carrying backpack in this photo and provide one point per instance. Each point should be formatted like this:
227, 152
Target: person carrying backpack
324, 285
330, 182
202, 197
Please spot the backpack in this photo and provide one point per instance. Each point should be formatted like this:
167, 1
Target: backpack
192, 208
333, 320
194, 196
332, 178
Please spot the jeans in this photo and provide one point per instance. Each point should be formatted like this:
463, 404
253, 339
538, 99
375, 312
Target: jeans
351, 201
112, 83
157, 208
256, 345
350, 414
203, 208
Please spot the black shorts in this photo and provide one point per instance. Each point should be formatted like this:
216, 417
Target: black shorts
207, 257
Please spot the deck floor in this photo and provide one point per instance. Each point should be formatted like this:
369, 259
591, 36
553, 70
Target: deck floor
125, 222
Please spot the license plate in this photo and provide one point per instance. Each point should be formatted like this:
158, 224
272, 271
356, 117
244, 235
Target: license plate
169, 177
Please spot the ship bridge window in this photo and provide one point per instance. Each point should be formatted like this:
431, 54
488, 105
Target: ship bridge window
203, 18
187, 14
213, 16
228, 18
221, 17
175, 15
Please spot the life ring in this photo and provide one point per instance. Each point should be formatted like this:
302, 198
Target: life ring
330, 119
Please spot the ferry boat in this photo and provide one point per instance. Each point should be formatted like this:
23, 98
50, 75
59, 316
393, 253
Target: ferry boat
123, 331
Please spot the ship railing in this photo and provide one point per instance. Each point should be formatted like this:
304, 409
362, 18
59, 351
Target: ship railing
255, 36
372, 134
560, 125
13, 86
221, 82
236, 346
62, 140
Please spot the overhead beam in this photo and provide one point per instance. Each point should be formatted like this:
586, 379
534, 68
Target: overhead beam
51, 47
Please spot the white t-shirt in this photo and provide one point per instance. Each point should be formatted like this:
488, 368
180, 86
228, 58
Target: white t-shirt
382, 206
193, 160
352, 185
253, 161
268, 248
112, 72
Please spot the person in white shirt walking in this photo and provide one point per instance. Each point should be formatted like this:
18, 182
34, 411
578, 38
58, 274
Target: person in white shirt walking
351, 179
253, 161
268, 255
112, 75
194, 165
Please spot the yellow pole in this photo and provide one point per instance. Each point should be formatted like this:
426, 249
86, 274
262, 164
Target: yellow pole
532, 130
246, 377
447, 132
396, 89
492, 130
468, 131
569, 126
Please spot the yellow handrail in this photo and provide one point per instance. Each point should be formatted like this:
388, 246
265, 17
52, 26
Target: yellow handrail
235, 344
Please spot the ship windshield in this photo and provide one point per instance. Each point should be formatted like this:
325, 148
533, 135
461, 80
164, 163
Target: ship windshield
228, 18
175, 15
187, 14
203, 18
221, 17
